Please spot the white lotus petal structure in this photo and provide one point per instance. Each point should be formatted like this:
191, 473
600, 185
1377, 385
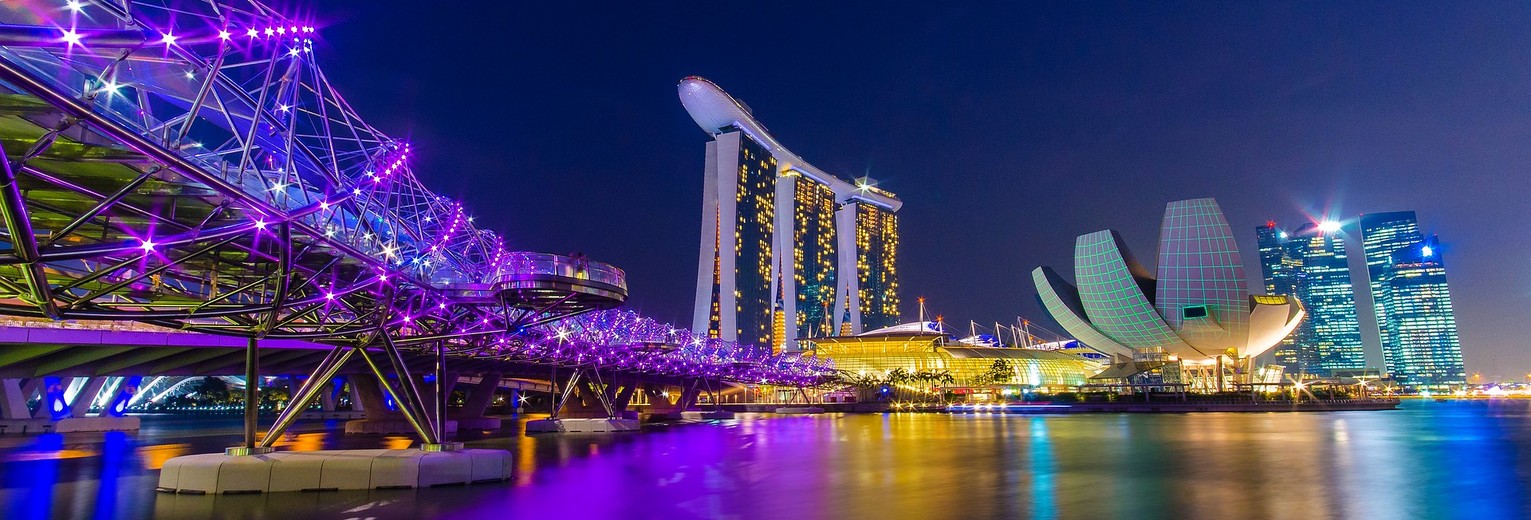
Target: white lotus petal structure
1196, 306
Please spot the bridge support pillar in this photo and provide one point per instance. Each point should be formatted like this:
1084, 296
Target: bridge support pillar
33, 387
688, 398
515, 400
13, 400
42, 388
658, 402
584, 407
86, 397
471, 417
77, 421
624, 396
428, 393
327, 397
366, 390
481, 396
585, 403
118, 405
353, 385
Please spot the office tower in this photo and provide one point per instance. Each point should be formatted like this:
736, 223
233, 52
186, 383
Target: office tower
1311, 264
1415, 319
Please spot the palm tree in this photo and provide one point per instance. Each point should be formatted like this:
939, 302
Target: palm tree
944, 377
896, 379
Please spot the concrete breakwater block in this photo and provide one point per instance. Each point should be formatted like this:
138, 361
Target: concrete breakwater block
717, 414
478, 423
579, 425
332, 415
389, 427
665, 416
96, 424
799, 409
25, 426
331, 470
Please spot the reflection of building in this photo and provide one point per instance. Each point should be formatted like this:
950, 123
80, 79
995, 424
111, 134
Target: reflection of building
1415, 318
1310, 264
929, 350
774, 224
1197, 307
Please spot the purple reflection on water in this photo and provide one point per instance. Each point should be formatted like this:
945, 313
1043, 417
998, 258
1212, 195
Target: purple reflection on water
1427, 460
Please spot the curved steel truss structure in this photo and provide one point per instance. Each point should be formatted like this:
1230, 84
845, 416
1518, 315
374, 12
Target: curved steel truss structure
187, 163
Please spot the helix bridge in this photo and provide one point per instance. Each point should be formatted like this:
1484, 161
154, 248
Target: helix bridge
188, 164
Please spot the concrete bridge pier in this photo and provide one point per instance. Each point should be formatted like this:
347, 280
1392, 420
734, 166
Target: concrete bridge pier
479, 398
378, 419
662, 407
327, 397
75, 417
357, 405
15, 415
586, 406
329, 401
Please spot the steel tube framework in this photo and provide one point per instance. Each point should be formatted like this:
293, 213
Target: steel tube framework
186, 163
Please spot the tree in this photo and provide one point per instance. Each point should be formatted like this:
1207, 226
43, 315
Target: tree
210, 390
1001, 371
273, 395
897, 378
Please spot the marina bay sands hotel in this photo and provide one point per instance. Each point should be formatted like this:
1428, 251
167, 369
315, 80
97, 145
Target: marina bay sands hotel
788, 252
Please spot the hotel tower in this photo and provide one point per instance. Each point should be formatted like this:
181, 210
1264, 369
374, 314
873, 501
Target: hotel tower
782, 241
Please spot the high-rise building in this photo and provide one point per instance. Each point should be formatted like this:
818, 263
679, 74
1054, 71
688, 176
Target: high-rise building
1311, 265
1415, 319
773, 224
1381, 235
1280, 272
876, 270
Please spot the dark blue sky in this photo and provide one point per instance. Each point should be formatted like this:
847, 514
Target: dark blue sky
1007, 129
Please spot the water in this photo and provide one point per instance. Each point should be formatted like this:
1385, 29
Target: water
1426, 460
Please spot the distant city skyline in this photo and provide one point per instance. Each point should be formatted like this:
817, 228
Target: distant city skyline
1039, 124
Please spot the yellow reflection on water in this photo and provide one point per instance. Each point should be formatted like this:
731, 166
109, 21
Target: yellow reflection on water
156, 455
526, 451
394, 442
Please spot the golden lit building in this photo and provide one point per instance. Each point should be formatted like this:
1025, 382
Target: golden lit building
774, 224
920, 347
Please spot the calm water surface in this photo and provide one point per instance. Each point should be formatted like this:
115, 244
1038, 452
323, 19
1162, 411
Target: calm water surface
1427, 460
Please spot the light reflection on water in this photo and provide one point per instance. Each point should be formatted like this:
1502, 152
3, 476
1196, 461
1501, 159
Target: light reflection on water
1428, 460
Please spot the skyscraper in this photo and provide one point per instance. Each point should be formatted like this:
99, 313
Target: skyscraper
1415, 319
1280, 272
773, 224
1312, 266
1381, 235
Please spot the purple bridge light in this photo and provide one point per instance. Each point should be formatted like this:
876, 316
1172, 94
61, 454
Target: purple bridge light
187, 164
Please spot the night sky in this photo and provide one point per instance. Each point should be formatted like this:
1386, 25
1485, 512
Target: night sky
1007, 130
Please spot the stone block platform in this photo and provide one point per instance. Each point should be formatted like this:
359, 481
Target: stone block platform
96, 424
389, 426
328, 470
580, 425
